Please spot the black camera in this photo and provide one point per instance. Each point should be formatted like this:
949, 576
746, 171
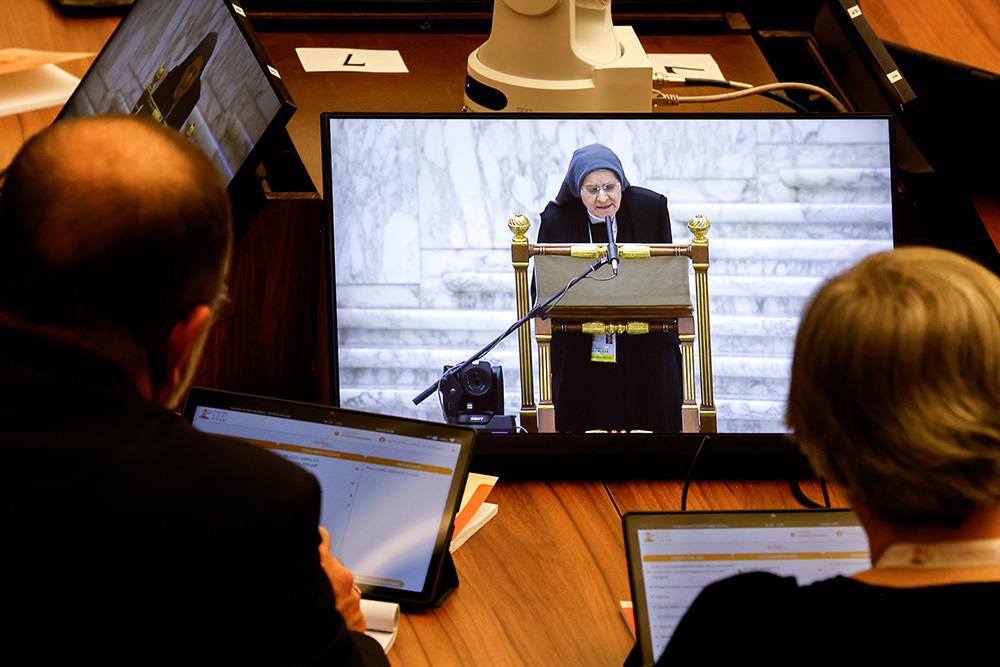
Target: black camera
474, 395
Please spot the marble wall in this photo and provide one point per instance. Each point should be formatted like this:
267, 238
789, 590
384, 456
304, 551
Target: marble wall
423, 271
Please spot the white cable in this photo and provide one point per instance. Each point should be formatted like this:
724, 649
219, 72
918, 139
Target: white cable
747, 89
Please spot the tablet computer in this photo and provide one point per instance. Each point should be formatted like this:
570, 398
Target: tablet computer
197, 67
391, 485
672, 556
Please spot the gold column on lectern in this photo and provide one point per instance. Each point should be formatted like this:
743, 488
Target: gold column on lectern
519, 256
699, 226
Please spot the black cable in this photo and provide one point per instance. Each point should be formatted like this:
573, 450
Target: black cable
537, 311
806, 500
690, 474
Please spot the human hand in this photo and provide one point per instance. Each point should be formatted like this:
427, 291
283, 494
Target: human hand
347, 595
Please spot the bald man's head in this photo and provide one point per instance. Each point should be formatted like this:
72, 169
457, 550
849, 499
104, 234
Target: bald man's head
111, 225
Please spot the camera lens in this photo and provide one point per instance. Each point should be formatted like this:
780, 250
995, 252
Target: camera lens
478, 379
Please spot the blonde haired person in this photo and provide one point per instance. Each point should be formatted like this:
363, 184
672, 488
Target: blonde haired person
894, 397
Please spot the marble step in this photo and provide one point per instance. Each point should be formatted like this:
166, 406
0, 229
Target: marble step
778, 258
733, 376
735, 335
465, 332
732, 262
773, 295
784, 220
831, 183
413, 367
754, 296
468, 329
750, 416
788, 257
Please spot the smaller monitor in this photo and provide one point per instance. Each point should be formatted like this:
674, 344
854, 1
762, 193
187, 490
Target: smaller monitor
673, 556
391, 487
196, 66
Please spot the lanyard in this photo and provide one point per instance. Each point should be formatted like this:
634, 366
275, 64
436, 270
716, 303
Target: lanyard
962, 554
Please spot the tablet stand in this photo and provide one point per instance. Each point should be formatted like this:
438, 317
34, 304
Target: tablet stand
447, 582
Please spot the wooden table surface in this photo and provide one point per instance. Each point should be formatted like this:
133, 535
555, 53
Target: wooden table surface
540, 583
967, 31
962, 30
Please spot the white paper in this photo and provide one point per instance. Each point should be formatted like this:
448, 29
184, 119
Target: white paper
485, 512
15, 60
350, 60
35, 88
382, 619
689, 65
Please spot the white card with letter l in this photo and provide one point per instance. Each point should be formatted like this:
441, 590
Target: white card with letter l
350, 60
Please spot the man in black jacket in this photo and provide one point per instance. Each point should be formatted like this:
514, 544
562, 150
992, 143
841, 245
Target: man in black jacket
127, 535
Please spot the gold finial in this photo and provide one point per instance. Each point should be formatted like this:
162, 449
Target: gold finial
156, 77
190, 130
699, 226
519, 224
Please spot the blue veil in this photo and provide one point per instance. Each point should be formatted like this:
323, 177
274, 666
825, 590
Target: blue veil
585, 160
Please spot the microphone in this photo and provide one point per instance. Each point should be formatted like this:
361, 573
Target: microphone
612, 246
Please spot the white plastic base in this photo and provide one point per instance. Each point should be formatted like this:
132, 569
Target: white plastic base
624, 85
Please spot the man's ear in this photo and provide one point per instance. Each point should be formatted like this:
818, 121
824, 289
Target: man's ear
180, 345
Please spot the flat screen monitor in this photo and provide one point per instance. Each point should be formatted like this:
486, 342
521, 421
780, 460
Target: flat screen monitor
196, 66
421, 248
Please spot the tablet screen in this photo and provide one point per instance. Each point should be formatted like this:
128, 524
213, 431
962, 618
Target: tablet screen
390, 486
672, 556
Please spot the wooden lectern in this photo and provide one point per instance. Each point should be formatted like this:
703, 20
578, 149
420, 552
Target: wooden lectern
653, 295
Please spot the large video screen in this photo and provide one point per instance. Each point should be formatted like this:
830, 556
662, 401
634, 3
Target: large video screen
422, 249
194, 65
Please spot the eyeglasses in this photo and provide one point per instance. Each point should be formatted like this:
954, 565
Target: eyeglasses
593, 190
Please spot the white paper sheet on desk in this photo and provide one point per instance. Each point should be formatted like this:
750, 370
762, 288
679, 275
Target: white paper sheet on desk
484, 513
350, 60
690, 65
35, 88
30, 80
17, 60
473, 512
382, 619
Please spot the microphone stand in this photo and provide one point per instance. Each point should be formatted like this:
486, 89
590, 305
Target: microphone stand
539, 310
612, 245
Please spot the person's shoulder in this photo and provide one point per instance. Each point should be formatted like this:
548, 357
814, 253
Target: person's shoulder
247, 470
726, 598
571, 207
738, 611
643, 196
173, 470
751, 583
875, 600
560, 221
